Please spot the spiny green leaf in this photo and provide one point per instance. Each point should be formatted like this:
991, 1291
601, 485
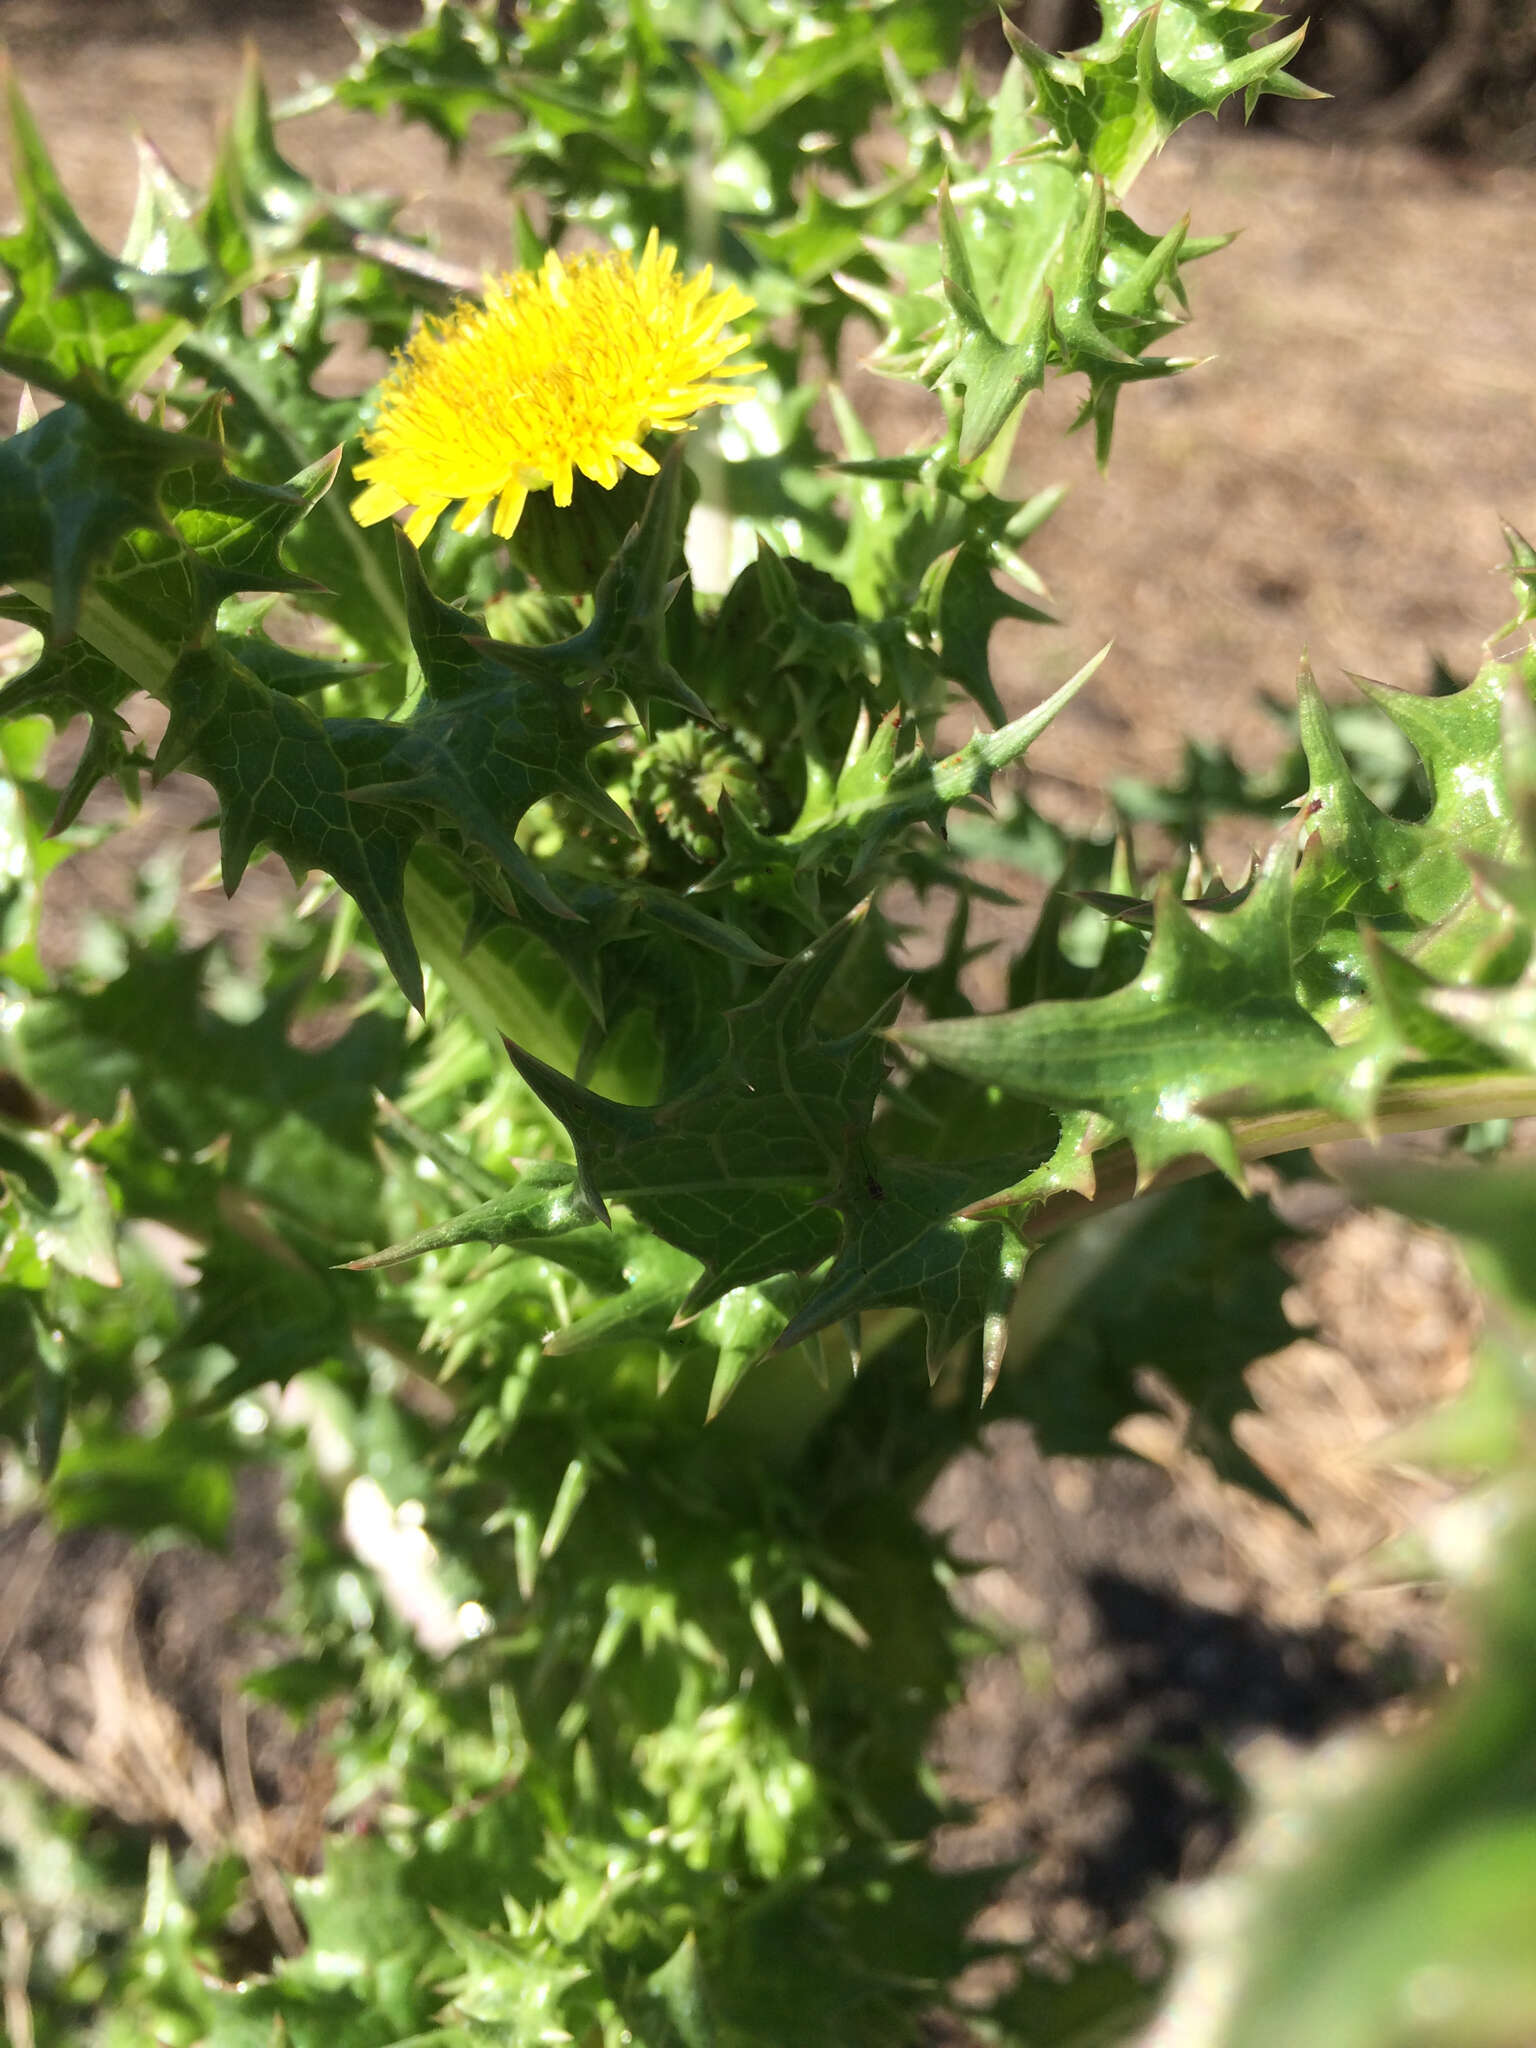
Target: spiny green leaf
1503, 1014
544, 1203
847, 823
73, 316
904, 1245
369, 1931
297, 1123
456, 64
162, 564
76, 313
34, 1403
59, 1197
237, 528
744, 1326
276, 1317
1409, 874
969, 606
624, 645
282, 778
655, 1281
1411, 881
829, 229
992, 376
67, 680
283, 668
264, 351
482, 746
162, 236
1522, 573
261, 212
736, 1171
680, 1986
71, 488
1189, 57
1038, 263
1413, 1004
1212, 1015
508, 1987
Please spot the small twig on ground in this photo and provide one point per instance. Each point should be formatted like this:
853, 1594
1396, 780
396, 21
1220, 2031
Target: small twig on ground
61, 1775
250, 1827
17, 1968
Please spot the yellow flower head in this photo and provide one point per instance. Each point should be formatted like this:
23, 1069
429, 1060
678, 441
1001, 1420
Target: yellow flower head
563, 368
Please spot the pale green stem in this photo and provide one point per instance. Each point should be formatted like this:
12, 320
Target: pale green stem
141, 655
1440, 1103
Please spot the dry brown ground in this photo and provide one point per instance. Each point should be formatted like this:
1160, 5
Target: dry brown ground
1332, 478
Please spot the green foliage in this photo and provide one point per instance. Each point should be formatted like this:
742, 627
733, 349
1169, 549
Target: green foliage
632, 1739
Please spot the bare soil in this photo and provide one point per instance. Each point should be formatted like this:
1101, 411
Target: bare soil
1332, 478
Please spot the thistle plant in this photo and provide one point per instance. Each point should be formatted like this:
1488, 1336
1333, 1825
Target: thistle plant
619, 1224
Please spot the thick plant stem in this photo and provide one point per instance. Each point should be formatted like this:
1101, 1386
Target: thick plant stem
1441, 1103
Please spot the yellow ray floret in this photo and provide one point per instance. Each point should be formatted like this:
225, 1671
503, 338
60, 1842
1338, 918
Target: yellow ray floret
563, 368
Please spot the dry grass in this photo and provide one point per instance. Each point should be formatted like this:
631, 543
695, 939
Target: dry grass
119, 1739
